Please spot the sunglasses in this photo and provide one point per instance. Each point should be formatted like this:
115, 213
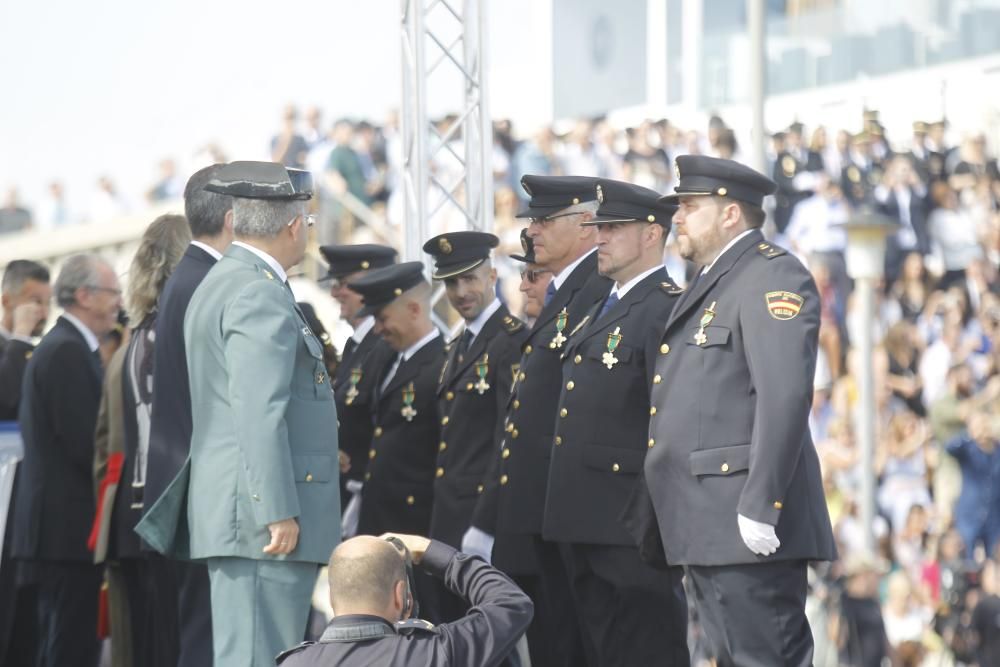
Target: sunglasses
546, 220
532, 275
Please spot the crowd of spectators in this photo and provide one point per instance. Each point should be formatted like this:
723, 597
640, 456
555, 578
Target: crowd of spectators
931, 594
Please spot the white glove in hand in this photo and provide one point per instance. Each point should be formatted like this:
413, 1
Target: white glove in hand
478, 543
759, 537
349, 522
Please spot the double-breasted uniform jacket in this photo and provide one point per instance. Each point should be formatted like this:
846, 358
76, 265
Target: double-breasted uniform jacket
603, 415
399, 482
786, 167
262, 411
730, 433
354, 392
858, 181
472, 396
523, 466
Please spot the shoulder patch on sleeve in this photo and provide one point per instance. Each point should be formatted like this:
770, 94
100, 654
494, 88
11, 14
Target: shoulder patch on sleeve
671, 288
511, 324
284, 654
770, 251
783, 305
414, 625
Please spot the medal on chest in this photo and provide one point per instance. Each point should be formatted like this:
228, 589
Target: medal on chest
608, 358
558, 340
408, 411
482, 368
706, 318
352, 391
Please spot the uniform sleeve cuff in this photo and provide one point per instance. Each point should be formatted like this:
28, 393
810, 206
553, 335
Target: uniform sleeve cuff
437, 557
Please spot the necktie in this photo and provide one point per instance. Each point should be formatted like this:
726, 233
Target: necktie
95, 358
392, 371
349, 348
550, 292
463, 343
608, 304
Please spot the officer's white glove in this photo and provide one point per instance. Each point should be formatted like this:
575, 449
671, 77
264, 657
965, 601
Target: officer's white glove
759, 537
478, 543
349, 522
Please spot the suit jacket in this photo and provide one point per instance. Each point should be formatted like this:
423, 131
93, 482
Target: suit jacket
730, 431
170, 429
918, 218
399, 482
262, 414
14, 355
601, 442
518, 487
469, 439
354, 410
58, 413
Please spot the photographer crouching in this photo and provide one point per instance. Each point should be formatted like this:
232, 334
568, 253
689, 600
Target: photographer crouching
376, 616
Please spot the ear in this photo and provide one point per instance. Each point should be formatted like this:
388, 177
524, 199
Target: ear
399, 601
227, 221
493, 276
5, 300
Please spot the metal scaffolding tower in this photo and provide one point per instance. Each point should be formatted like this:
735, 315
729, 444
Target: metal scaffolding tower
447, 170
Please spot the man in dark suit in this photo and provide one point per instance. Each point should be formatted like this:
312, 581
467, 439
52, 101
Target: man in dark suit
184, 584
629, 613
364, 355
902, 196
732, 471
399, 483
55, 497
558, 206
26, 295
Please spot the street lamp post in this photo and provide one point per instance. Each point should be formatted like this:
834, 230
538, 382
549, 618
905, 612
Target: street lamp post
866, 234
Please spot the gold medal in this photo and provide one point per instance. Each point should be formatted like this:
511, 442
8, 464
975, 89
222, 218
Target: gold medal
482, 368
706, 318
608, 358
408, 411
352, 391
558, 340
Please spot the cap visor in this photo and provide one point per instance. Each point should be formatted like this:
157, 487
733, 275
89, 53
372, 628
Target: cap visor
450, 271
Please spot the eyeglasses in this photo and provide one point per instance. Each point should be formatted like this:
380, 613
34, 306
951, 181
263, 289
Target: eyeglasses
532, 275
109, 290
308, 218
549, 218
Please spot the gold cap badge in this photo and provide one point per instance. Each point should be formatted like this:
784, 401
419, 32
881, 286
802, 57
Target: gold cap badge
445, 245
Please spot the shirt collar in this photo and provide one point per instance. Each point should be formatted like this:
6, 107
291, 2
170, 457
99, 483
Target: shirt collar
564, 274
209, 249
413, 349
728, 246
362, 329
622, 290
476, 325
270, 261
84, 330
7, 335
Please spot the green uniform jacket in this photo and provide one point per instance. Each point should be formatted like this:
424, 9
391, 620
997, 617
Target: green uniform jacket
264, 443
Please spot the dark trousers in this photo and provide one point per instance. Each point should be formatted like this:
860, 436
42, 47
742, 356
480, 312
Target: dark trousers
150, 592
67, 613
561, 630
754, 614
629, 613
18, 618
194, 613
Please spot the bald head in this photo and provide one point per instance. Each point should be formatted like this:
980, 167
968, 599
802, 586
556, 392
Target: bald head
364, 573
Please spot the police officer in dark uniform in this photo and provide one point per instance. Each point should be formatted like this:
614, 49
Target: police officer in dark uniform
363, 356
862, 174
558, 206
629, 613
795, 171
732, 471
399, 482
476, 379
371, 596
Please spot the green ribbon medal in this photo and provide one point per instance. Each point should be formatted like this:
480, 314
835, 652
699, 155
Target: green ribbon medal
609, 358
482, 368
408, 411
352, 391
559, 339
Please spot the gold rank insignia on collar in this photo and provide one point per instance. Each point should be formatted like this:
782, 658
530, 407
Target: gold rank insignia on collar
706, 318
614, 338
561, 320
783, 305
409, 395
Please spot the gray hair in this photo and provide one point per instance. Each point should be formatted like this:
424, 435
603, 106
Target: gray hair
583, 207
19, 272
76, 272
205, 211
264, 218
